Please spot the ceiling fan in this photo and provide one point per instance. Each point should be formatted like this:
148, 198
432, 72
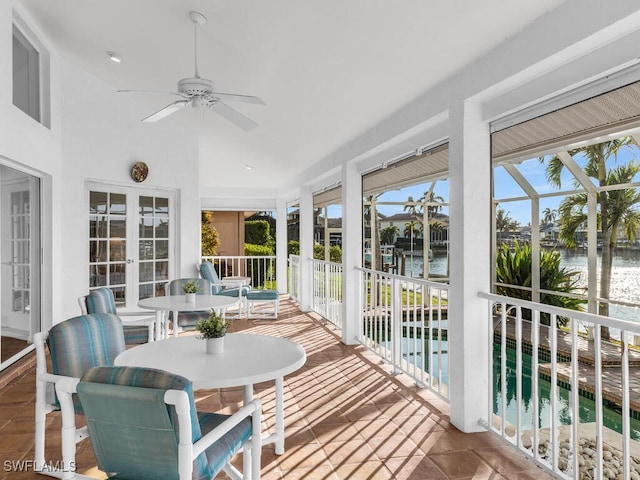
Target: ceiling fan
200, 92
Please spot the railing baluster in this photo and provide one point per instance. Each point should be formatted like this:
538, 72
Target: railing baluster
553, 401
597, 348
535, 347
575, 398
626, 433
519, 376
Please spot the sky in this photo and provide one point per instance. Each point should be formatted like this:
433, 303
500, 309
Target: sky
505, 188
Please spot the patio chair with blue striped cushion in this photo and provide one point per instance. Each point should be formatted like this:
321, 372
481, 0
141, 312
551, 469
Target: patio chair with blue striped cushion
136, 330
75, 345
208, 270
251, 296
144, 424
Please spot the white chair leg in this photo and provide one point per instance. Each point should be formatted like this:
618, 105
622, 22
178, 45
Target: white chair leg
40, 426
64, 389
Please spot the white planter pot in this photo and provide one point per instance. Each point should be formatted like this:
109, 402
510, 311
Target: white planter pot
215, 345
190, 297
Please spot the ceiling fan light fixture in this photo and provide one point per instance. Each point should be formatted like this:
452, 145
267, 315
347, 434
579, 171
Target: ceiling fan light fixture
199, 92
114, 57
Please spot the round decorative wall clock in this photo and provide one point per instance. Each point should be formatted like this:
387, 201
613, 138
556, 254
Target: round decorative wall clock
139, 171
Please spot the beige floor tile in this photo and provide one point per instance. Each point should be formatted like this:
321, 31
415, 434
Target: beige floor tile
416, 467
346, 417
461, 464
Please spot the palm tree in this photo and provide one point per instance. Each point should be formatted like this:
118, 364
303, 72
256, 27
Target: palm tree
388, 234
412, 228
616, 207
411, 208
430, 197
548, 215
504, 223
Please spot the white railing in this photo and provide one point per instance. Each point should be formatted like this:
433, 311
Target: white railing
294, 277
261, 269
404, 321
549, 396
327, 290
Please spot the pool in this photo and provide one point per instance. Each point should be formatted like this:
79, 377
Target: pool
587, 410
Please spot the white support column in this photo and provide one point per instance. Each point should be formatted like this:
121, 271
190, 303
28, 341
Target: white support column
470, 209
281, 245
306, 248
351, 253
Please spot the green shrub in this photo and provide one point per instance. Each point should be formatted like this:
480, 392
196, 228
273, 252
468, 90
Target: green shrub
335, 253
257, 250
293, 247
514, 268
257, 232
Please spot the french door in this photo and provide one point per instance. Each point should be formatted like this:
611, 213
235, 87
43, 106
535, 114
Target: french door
20, 269
131, 238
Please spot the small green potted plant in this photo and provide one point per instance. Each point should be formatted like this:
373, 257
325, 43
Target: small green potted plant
212, 331
190, 289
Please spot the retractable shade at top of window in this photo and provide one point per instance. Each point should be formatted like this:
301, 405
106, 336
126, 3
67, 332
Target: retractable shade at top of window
597, 119
416, 169
614, 113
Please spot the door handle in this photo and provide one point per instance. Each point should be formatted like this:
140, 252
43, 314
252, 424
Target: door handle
130, 260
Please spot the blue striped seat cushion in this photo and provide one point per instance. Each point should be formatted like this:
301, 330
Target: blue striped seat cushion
230, 292
146, 378
215, 457
84, 342
262, 295
189, 319
221, 452
208, 271
136, 334
101, 300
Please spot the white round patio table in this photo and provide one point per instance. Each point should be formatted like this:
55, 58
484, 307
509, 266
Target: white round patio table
178, 303
247, 359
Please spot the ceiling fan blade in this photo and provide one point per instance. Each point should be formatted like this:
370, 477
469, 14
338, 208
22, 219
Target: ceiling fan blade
166, 111
233, 116
239, 98
151, 91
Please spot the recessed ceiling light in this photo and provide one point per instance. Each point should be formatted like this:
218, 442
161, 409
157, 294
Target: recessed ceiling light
248, 167
114, 57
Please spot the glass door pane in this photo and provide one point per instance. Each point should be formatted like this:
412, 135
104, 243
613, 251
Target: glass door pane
108, 243
19, 262
153, 246
129, 227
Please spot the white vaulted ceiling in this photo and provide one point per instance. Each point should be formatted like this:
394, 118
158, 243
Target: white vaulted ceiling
328, 70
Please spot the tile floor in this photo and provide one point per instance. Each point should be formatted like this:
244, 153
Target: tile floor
346, 418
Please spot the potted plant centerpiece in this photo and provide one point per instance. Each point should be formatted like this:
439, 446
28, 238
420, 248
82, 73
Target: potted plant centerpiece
190, 289
213, 329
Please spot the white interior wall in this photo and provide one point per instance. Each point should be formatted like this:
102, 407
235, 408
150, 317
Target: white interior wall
93, 136
26, 144
103, 147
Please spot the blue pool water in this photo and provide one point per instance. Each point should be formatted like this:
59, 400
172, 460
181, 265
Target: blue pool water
587, 410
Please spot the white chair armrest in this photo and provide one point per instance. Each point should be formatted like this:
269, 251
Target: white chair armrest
253, 408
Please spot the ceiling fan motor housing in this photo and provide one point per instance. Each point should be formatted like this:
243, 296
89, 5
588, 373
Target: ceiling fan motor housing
195, 86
